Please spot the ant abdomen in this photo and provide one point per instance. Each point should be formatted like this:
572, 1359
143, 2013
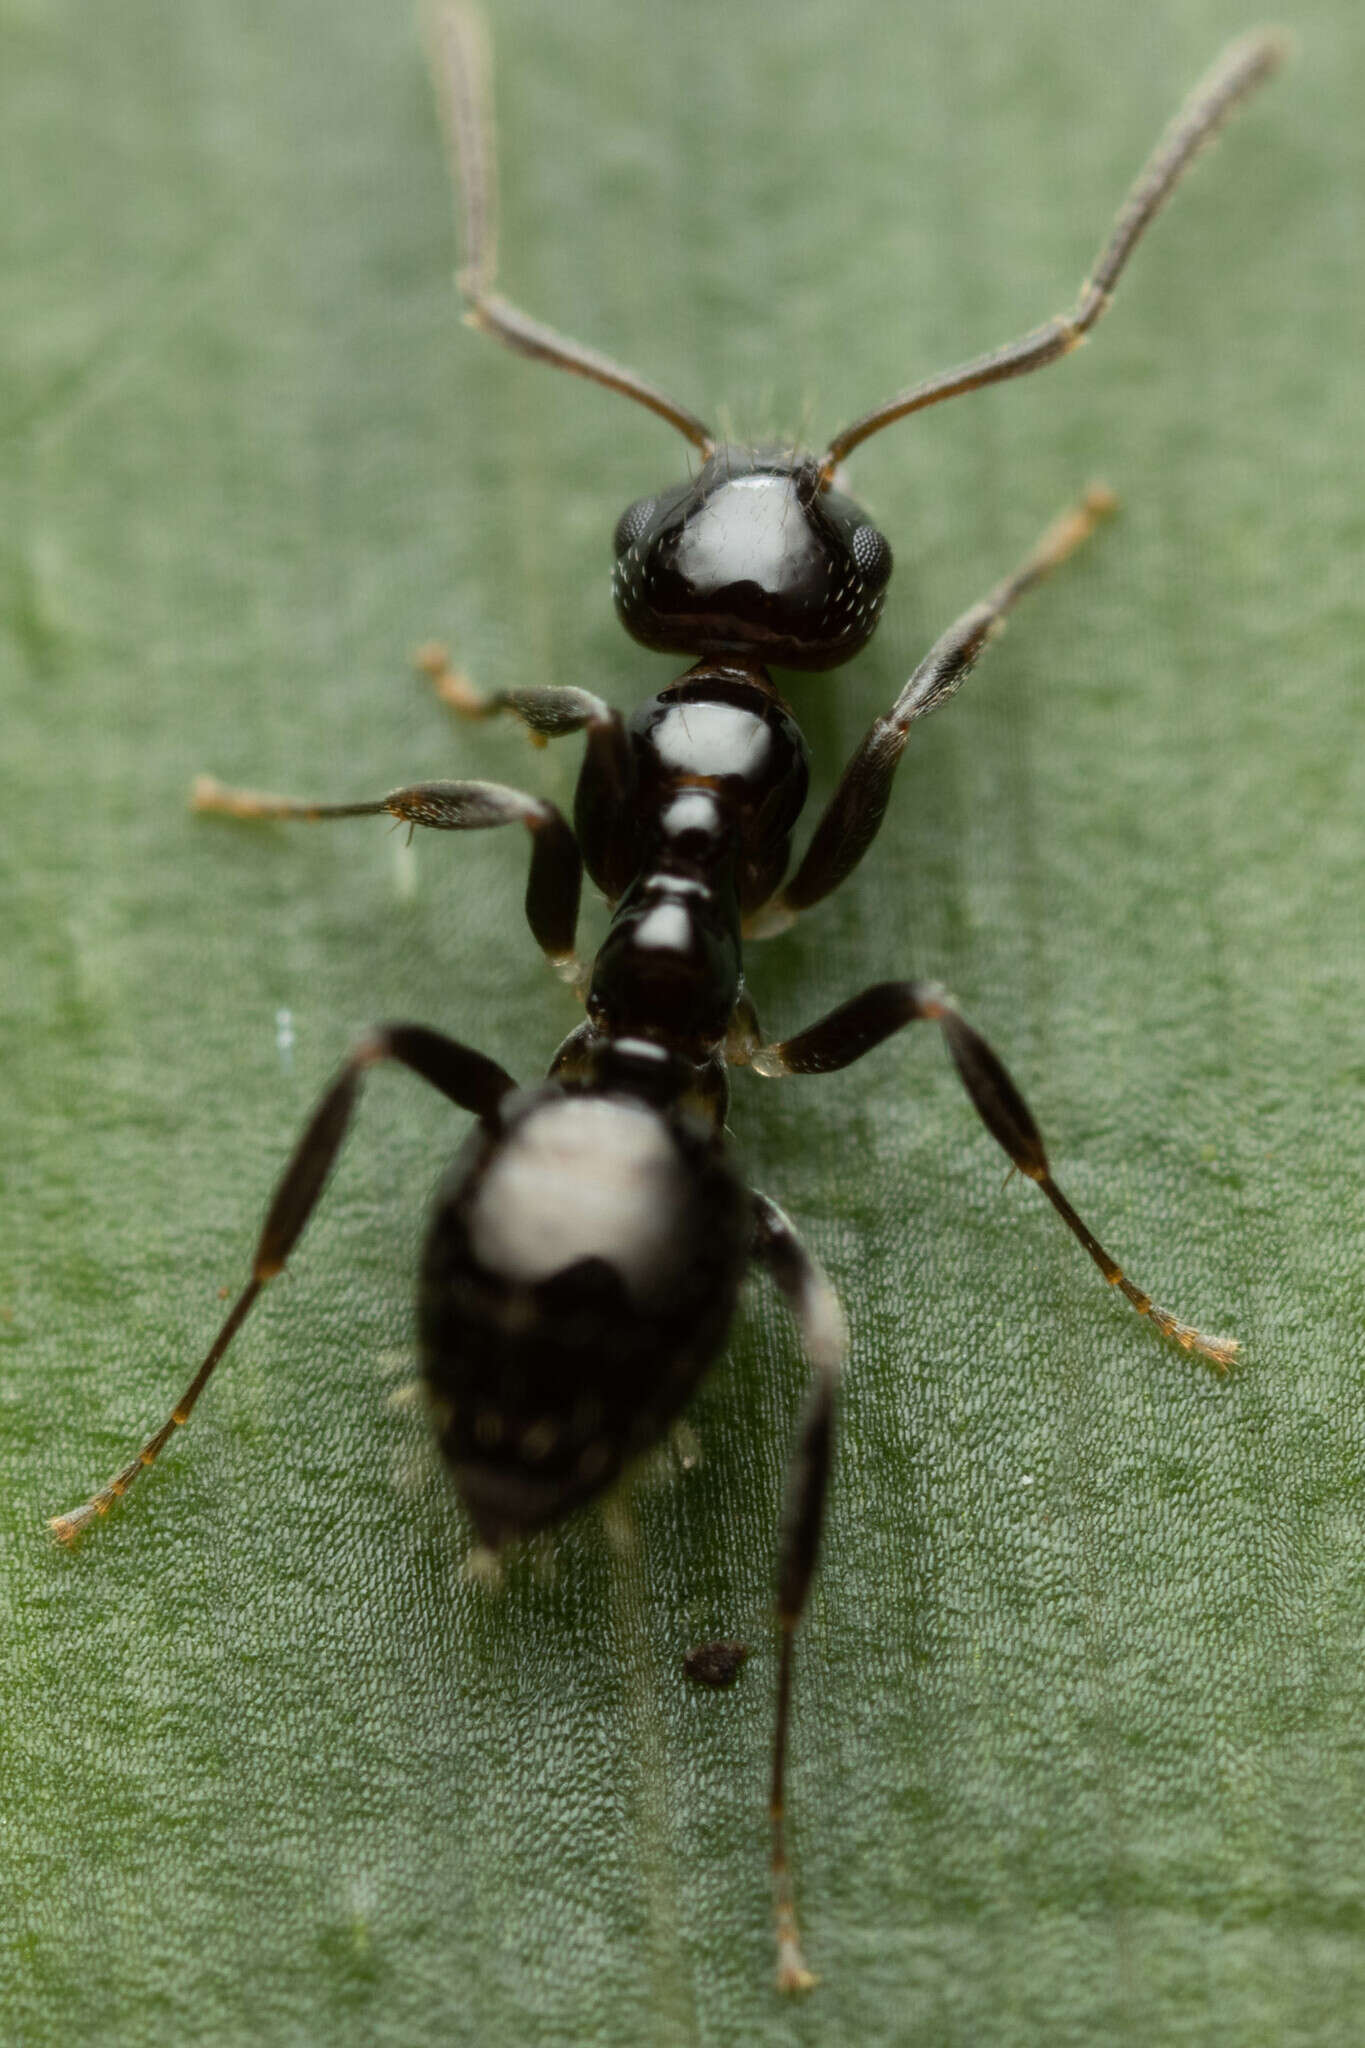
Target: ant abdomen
581, 1268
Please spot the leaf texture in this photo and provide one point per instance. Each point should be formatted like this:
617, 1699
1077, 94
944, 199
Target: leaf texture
1077, 1752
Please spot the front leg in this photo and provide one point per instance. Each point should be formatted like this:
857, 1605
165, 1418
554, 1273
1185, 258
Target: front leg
853, 816
604, 803
548, 711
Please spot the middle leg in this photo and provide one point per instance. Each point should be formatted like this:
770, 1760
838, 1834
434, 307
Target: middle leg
553, 887
857, 1026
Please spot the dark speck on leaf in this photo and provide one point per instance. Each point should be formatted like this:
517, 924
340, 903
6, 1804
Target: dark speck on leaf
715, 1663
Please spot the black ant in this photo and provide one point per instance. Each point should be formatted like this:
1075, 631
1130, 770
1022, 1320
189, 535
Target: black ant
586, 1248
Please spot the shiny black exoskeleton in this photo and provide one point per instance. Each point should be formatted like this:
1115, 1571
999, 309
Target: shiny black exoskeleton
586, 1248
718, 729
585, 1252
754, 557
581, 1268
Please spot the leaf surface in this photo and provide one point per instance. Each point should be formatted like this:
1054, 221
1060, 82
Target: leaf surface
1076, 1754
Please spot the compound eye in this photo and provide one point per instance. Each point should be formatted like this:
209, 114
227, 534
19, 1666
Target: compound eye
632, 523
871, 556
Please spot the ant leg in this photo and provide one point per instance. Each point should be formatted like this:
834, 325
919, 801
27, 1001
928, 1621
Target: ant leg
555, 882
548, 712
454, 688
604, 799
1242, 67
853, 816
466, 1077
857, 1026
820, 1319
603, 809
458, 55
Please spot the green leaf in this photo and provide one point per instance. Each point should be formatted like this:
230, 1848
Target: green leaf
1076, 1750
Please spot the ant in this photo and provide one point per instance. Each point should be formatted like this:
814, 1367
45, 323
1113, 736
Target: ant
586, 1247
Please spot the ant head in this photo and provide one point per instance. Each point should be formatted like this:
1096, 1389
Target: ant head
754, 559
